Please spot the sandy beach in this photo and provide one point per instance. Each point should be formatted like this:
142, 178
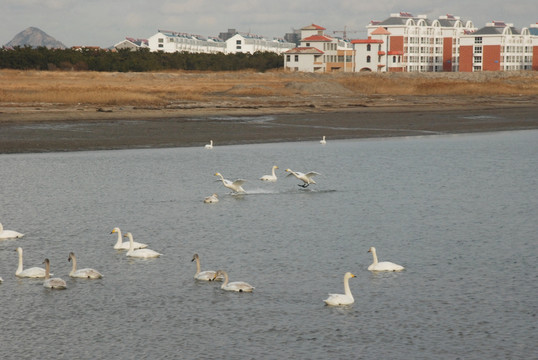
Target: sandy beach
306, 108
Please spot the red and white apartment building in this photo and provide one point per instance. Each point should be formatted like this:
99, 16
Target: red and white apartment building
407, 43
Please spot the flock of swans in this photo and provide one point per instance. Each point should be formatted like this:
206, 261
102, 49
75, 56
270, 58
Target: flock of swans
140, 250
237, 185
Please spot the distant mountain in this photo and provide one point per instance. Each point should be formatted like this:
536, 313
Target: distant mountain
35, 37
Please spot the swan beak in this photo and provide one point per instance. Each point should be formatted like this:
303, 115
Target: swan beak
353, 276
369, 250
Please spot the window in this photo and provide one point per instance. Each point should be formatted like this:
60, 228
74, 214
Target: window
288, 58
478, 49
368, 47
379, 47
478, 40
477, 59
308, 44
296, 57
368, 59
477, 68
238, 42
238, 47
394, 59
161, 41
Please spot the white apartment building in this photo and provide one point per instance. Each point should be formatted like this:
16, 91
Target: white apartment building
171, 41
249, 43
319, 52
500, 47
423, 44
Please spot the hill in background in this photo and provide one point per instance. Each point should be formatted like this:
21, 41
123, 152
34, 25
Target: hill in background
35, 37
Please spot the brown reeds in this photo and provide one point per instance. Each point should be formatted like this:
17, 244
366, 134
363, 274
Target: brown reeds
159, 89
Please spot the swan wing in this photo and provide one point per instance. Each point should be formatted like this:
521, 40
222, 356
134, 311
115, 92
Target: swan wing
239, 182
55, 283
126, 245
208, 275
338, 299
312, 173
87, 274
144, 253
385, 266
10, 234
34, 272
239, 286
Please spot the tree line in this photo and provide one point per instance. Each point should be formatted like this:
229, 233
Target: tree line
124, 60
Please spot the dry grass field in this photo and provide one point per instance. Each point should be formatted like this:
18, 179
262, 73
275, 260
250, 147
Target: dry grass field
28, 88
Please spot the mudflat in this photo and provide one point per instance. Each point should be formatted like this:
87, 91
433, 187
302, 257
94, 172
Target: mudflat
55, 111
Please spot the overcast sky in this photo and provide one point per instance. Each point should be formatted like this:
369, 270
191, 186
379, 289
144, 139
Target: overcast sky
107, 22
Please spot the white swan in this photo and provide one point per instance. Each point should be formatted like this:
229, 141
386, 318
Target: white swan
239, 286
271, 178
208, 275
211, 199
33, 272
140, 253
9, 234
235, 185
82, 273
210, 145
120, 245
384, 265
342, 299
52, 283
323, 141
305, 178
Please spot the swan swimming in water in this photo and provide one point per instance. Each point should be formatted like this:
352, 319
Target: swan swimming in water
212, 199
305, 178
235, 185
140, 253
33, 272
52, 283
323, 141
238, 286
384, 265
82, 273
120, 245
208, 275
270, 178
210, 145
9, 234
342, 299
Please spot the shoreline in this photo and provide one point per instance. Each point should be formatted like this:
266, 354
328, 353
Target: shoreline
85, 128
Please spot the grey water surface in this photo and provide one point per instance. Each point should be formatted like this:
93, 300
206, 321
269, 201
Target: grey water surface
459, 212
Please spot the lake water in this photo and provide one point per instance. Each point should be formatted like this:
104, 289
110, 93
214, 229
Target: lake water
459, 212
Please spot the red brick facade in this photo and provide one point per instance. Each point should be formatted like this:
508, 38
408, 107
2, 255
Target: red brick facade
396, 43
466, 58
491, 58
447, 54
535, 58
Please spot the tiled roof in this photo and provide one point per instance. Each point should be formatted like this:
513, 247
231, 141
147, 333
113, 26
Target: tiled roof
317, 38
304, 50
380, 31
313, 27
494, 30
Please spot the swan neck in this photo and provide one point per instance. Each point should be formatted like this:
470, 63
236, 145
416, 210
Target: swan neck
74, 260
225, 282
274, 172
47, 270
197, 266
347, 290
131, 244
375, 256
120, 239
